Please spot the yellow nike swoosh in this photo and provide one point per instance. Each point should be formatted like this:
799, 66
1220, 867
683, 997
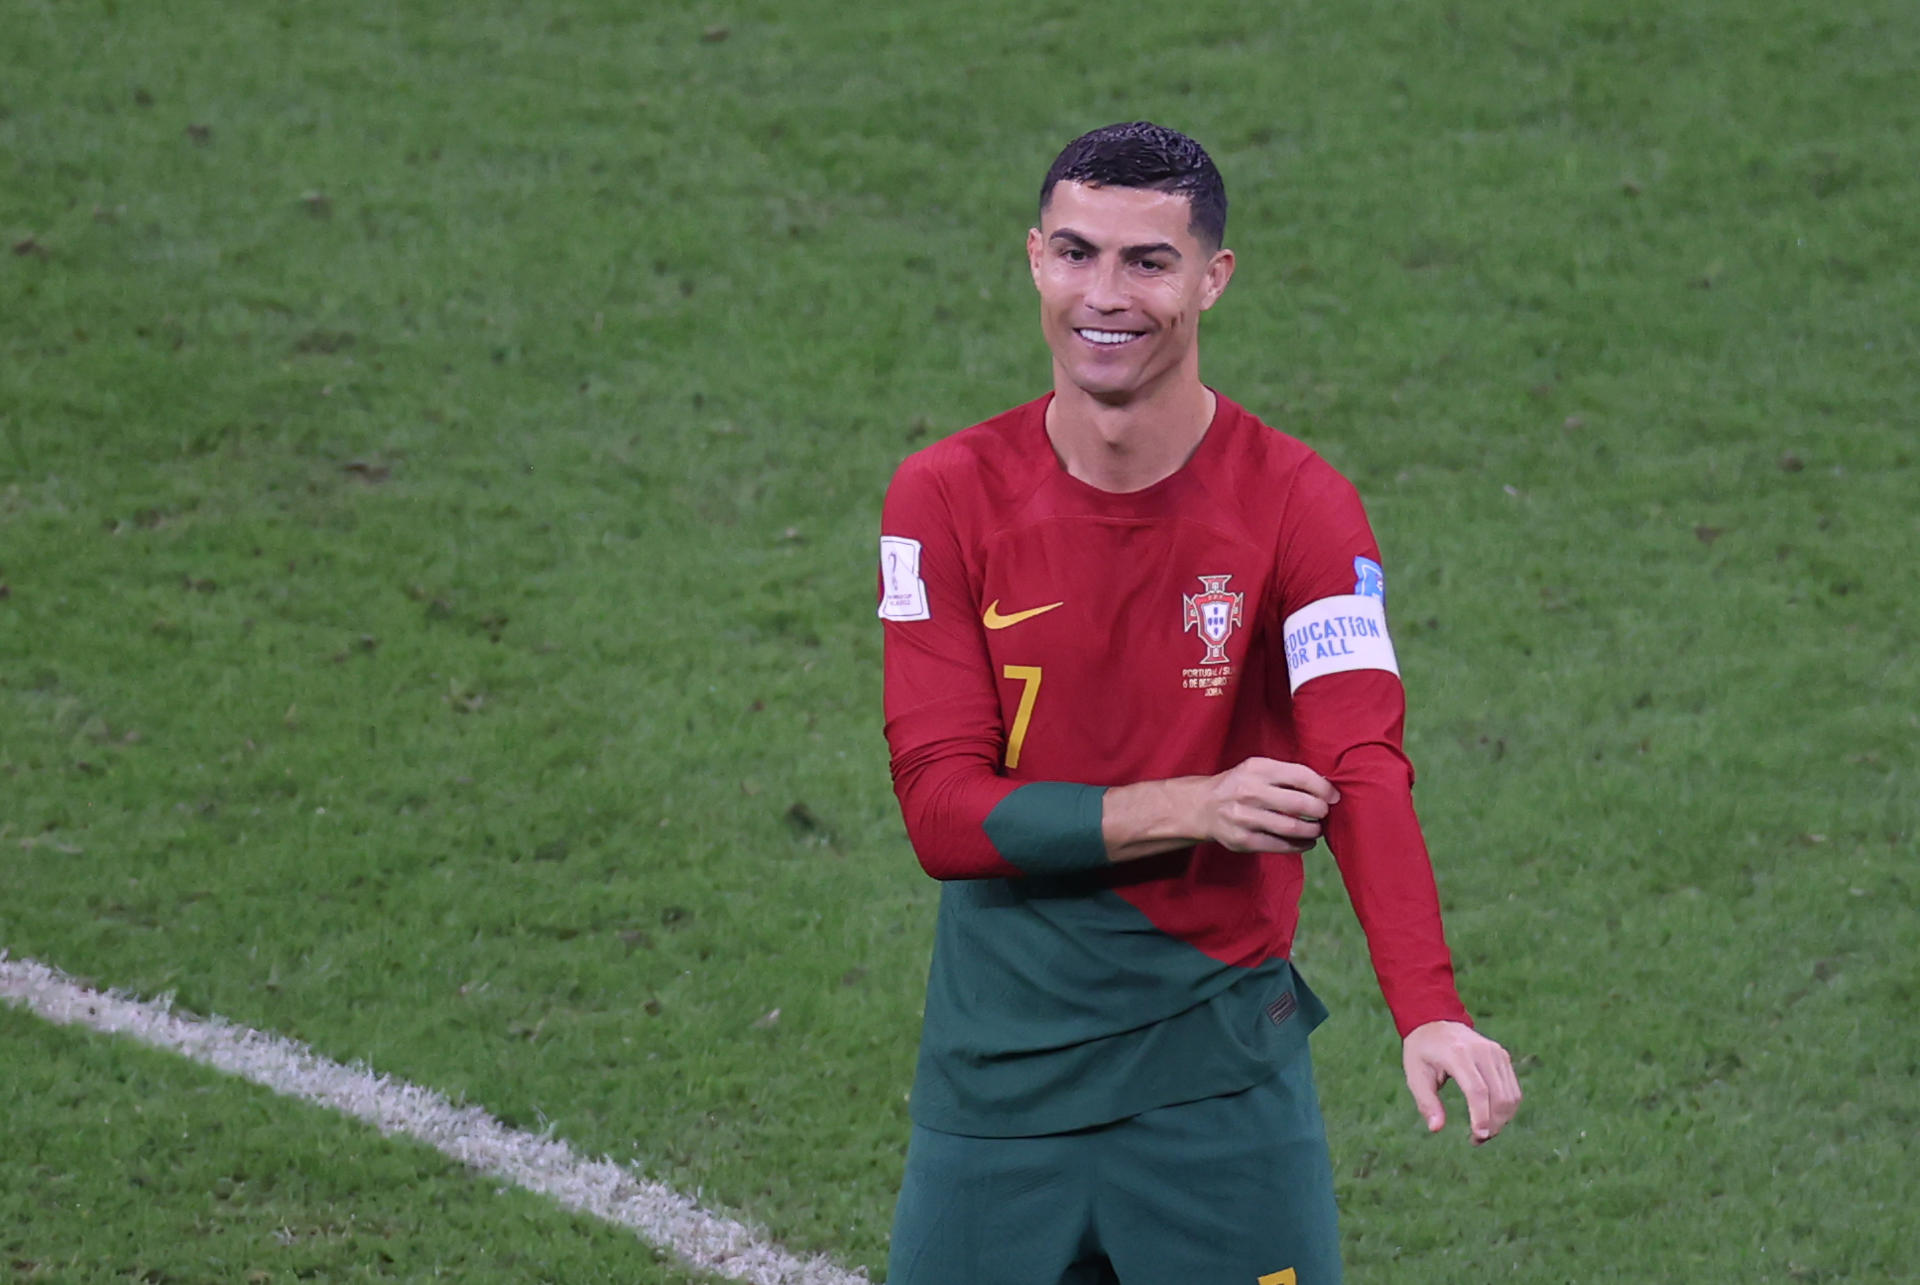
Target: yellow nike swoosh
994, 620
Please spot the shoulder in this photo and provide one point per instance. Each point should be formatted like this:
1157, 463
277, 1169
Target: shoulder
999, 443
994, 458
1268, 464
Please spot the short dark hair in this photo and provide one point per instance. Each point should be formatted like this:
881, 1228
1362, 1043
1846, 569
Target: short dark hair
1142, 154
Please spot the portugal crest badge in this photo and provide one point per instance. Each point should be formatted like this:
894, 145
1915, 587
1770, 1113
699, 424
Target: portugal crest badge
1214, 613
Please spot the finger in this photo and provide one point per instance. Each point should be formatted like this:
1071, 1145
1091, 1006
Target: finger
1282, 829
1261, 841
1298, 803
1475, 1088
1251, 830
1503, 1087
1507, 1092
1426, 1097
1280, 823
1295, 776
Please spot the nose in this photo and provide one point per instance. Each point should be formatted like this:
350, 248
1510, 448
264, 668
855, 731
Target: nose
1107, 291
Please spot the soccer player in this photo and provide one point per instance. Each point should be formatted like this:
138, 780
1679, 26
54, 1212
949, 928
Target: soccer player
1137, 663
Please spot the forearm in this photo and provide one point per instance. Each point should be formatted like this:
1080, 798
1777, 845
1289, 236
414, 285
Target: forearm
1152, 817
1349, 727
968, 822
1376, 840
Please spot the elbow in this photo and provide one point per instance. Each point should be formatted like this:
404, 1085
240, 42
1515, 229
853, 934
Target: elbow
923, 835
949, 849
942, 865
944, 812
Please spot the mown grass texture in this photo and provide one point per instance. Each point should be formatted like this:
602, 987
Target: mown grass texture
439, 457
216, 1183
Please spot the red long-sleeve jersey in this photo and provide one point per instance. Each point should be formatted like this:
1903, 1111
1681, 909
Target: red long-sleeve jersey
1046, 639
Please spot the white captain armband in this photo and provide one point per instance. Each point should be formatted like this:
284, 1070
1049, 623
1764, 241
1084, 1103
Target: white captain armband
1337, 634
903, 594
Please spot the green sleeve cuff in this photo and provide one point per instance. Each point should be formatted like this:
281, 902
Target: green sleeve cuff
1049, 828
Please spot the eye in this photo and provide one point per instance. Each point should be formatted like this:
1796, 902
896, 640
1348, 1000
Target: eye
1150, 265
1073, 254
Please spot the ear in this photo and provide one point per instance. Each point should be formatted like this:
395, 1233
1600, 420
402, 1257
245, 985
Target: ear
1034, 246
1219, 272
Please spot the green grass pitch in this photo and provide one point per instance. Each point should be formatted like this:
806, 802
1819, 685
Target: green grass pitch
440, 454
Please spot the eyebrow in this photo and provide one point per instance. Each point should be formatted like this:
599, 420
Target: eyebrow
1132, 251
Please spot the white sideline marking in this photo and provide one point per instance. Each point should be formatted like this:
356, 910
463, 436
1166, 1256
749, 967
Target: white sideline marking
602, 1188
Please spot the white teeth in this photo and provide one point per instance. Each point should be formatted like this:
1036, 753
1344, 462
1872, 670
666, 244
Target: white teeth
1106, 336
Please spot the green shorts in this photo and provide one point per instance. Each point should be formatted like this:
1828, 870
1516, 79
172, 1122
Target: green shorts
1234, 1190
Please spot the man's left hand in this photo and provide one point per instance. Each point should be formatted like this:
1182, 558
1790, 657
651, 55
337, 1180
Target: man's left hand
1442, 1051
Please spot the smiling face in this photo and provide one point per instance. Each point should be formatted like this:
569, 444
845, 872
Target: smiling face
1122, 281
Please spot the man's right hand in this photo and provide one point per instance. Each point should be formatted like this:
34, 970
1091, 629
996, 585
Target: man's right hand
1260, 805
1265, 805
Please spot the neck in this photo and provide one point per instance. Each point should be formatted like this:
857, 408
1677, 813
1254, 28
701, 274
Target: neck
1128, 446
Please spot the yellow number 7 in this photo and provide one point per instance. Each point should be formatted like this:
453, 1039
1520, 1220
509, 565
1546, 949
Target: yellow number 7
1029, 675
1280, 1278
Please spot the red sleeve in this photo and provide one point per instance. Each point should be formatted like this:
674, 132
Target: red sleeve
942, 705
1348, 728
